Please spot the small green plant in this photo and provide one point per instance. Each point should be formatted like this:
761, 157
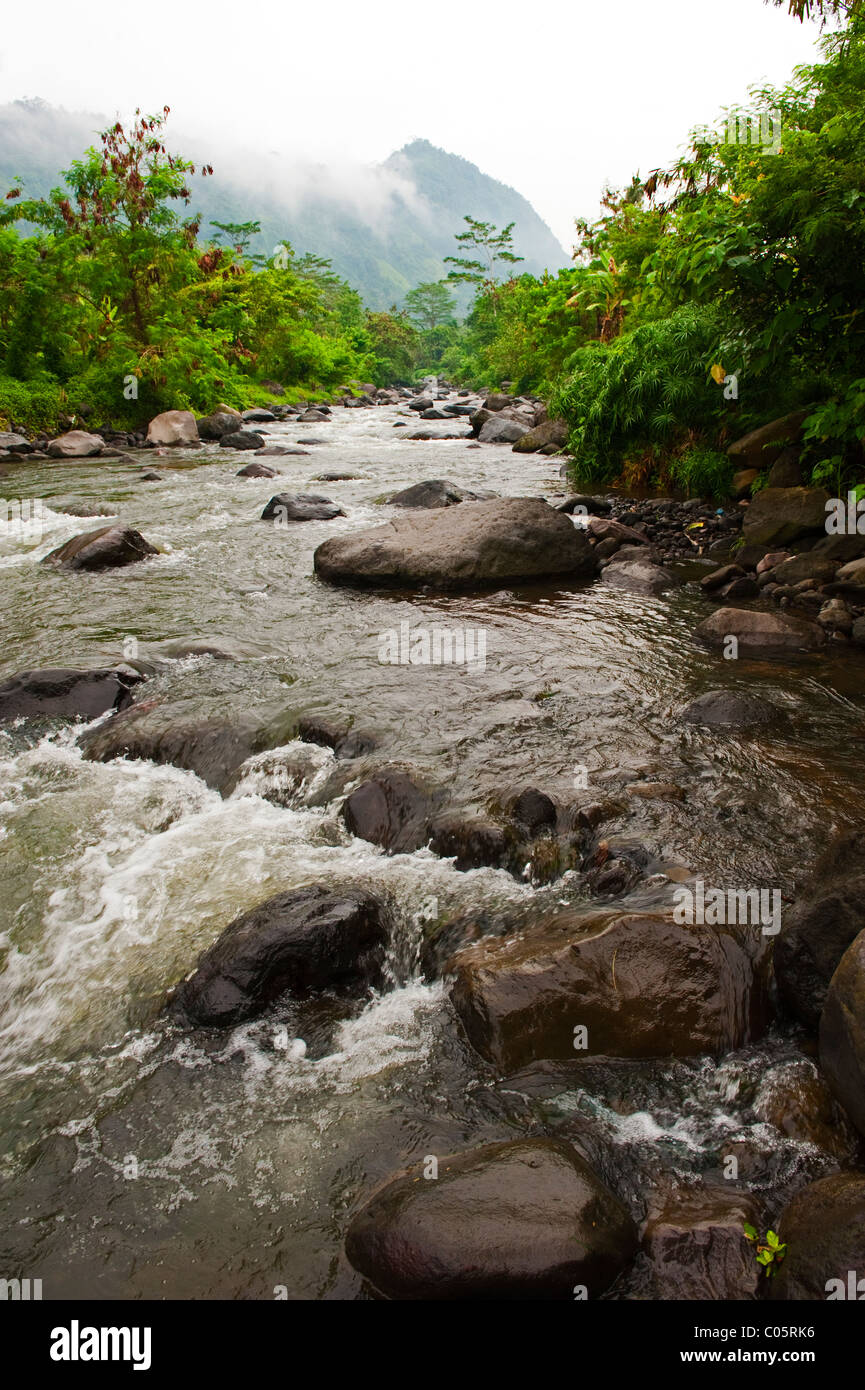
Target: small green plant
769, 1249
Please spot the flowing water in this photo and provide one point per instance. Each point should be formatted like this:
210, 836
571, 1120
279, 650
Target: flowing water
139, 1160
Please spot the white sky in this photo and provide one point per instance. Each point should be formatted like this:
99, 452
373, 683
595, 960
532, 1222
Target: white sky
553, 98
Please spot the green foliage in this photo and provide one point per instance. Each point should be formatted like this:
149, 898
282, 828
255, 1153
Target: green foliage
491, 247
641, 393
701, 471
115, 286
32, 405
769, 1250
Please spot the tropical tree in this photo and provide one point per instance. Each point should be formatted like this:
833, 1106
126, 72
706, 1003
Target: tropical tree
430, 305
492, 247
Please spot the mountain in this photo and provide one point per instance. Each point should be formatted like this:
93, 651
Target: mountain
385, 227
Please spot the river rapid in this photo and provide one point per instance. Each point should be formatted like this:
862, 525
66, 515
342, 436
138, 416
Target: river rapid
142, 1160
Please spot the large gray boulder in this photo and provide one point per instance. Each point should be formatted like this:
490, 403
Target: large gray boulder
523, 1219
464, 547
217, 425
548, 432
842, 1033
75, 444
499, 431
173, 427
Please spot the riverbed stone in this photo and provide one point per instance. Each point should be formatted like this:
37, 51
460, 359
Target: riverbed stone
242, 439
436, 492
639, 577
824, 1230
500, 431
109, 547
523, 1219
640, 985
756, 631
696, 1246
300, 506
61, 693
825, 919
465, 547
778, 515
256, 470
391, 810
301, 941
842, 1033
554, 432
217, 425
728, 709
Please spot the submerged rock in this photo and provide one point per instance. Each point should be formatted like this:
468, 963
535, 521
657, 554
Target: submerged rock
110, 547
256, 470
58, 693
756, 631
464, 547
525, 1219
305, 940
728, 709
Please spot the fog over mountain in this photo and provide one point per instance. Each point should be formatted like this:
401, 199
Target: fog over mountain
386, 227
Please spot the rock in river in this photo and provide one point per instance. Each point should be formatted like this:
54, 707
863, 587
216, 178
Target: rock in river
641, 986
75, 444
65, 694
842, 1033
728, 709
464, 547
300, 506
437, 492
304, 940
518, 1220
756, 631
108, 548
824, 1230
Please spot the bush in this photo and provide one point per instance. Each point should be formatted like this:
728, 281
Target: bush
31, 405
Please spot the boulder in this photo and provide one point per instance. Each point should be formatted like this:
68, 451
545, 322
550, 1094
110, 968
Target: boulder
464, 547
756, 631
584, 505
173, 427
498, 431
303, 941
718, 579
826, 918
639, 577
728, 709
390, 810
497, 401
762, 446
743, 481
842, 1033
473, 842
180, 734
778, 515
258, 415
824, 1230
602, 528
437, 492
787, 470
810, 565
75, 444
58, 693
300, 506
527, 1219
256, 470
641, 986
110, 547
697, 1249
15, 443
533, 810
553, 432
421, 403
217, 425
242, 439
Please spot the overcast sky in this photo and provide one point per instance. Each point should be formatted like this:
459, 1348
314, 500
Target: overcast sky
554, 97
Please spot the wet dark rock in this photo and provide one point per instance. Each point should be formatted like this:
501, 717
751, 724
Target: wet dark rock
217, 426
761, 447
390, 810
639, 577
177, 733
827, 916
256, 470
242, 439
602, 528
524, 1219
305, 940
258, 415
744, 587
421, 403
472, 842
58, 693
641, 986
345, 741
151, 477
728, 709
777, 516
437, 492
842, 1033
464, 547
696, 1246
533, 810
300, 506
824, 1230
718, 578
585, 505
272, 451
110, 547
